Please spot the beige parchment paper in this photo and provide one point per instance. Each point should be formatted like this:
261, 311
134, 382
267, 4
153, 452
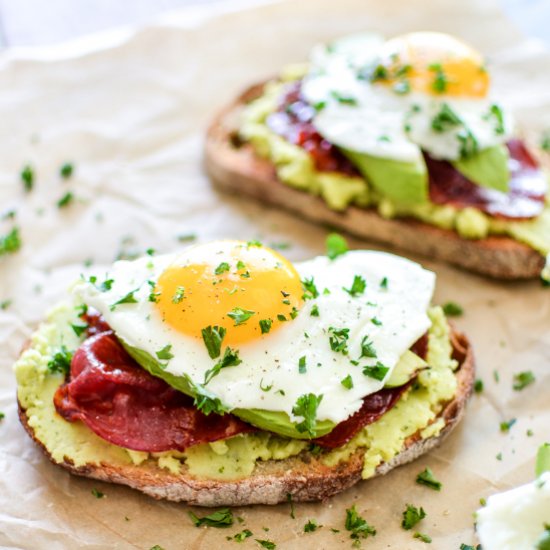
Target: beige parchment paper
129, 109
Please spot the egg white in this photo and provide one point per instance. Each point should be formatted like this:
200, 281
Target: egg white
273, 359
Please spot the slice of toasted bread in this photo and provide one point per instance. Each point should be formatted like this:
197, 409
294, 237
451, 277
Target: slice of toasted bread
234, 167
304, 476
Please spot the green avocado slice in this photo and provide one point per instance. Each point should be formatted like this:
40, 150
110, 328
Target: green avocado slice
487, 168
273, 421
404, 183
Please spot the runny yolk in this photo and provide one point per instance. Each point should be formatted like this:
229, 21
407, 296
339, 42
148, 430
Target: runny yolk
230, 284
434, 63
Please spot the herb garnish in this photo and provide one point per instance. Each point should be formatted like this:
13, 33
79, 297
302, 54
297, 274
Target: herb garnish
439, 83
220, 518
377, 371
468, 143
311, 526
66, 170
358, 286
97, 494
27, 177
213, 337
222, 268
543, 459
165, 353
265, 325
179, 295
347, 382
411, 516
314, 311
384, 283
302, 365
65, 200
506, 425
452, 309
338, 339
427, 478
153, 296
423, 537
310, 290
376, 321
336, 245
79, 329
478, 385
306, 406
358, 526
266, 388
367, 349
523, 379
468, 547
230, 359
345, 100
126, 299
61, 361
244, 534
240, 315
290, 501
11, 242
496, 112
5, 304
445, 119
269, 545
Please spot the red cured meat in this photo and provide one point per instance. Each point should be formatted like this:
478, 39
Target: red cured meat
125, 405
524, 200
528, 185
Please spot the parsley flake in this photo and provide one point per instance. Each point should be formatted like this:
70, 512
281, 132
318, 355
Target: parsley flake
338, 339
220, 518
427, 478
478, 385
269, 545
230, 359
445, 119
222, 268
65, 200
61, 361
66, 170
11, 242
375, 321
314, 311
336, 245
543, 459
411, 516
213, 337
79, 329
357, 287
358, 527
311, 526
506, 425
126, 299
265, 388
27, 177
302, 365
265, 325
310, 290
306, 406
97, 494
179, 295
165, 353
523, 379
452, 309
378, 371
347, 382
423, 537
367, 349
244, 534
240, 315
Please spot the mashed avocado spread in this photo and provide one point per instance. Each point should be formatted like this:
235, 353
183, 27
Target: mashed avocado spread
236, 457
295, 167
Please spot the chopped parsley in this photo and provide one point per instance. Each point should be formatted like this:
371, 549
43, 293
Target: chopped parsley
440, 82
126, 299
2, 416
179, 295
468, 547
347, 382
411, 516
230, 359
153, 296
265, 388
378, 371
97, 493
523, 379
358, 527
427, 478
244, 534
384, 283
310, 290
543, 459
336, 245
61, 361
281, 317
376, 321
311, 526
186, 238
213, 337
423, 537
253, 243
27, 177
5, 304
468, 143
344, 99
314, 311
11, 242
452, 309
496, 113
66, 170
219, 518
478, 385
293, 313
306, 406
105, 285
302, 365
290, 501
79, 329
165, 353
367, 349
445, 119
357, 287
269, 545
222, 268
265, 325
338, 339
65, 200
156, 547
240, 315
506, 425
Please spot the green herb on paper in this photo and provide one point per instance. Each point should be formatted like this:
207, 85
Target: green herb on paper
97, 494
11, 242
243, 535
269, 545
423, 537
506, 425
27, 177
357, 526
452, 309
311, 526
523, 379
411, 516
66, 170
219, 518
427, 478
65, 200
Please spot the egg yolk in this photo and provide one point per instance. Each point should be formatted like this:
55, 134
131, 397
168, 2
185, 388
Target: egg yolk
433, 63
246, 288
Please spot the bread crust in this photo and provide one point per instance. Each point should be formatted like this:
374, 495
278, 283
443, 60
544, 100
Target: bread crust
235, 168
304, 476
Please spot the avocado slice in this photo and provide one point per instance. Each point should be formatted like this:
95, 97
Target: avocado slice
408, 366
404, 183
273, 421
487, 168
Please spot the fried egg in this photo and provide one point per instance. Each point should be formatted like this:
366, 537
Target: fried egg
296, 328
421, 91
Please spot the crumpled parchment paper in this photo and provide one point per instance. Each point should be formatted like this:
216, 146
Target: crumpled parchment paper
129, 109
